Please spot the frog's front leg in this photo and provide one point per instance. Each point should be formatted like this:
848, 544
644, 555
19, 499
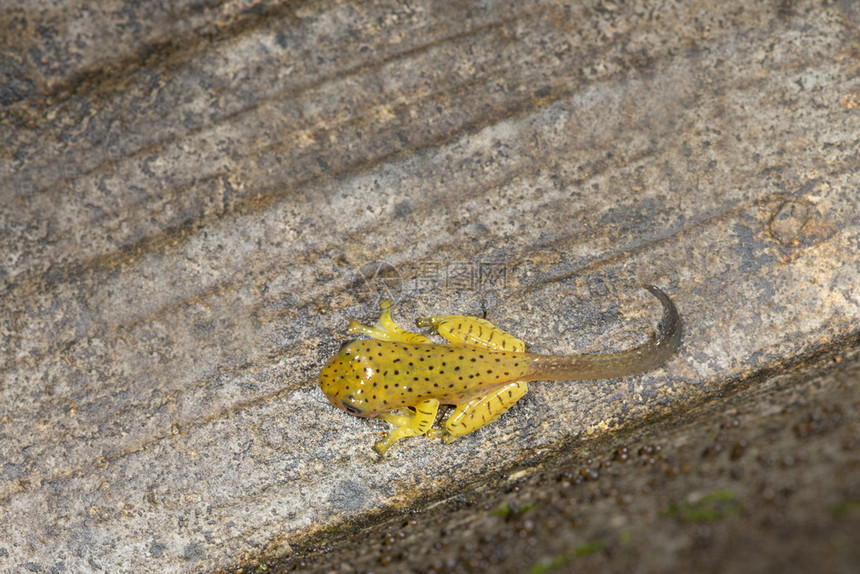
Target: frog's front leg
408, 425
386, 329
481, 411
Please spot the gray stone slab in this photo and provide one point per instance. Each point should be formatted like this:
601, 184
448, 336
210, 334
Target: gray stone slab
195, 200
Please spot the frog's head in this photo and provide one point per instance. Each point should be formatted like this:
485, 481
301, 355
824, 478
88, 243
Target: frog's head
347, 377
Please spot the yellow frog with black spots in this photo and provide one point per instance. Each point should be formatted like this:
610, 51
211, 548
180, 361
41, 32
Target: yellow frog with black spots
403, 377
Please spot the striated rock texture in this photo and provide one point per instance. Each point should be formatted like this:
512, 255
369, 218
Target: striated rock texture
196, 197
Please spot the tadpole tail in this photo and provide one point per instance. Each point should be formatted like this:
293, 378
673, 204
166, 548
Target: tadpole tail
606, 366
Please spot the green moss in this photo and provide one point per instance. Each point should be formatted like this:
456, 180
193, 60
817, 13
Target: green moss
506, 510
844, 508
589, 548
718, 505
549, 564
528, 507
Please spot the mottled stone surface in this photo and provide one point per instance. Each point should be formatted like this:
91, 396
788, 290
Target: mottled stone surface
196, 197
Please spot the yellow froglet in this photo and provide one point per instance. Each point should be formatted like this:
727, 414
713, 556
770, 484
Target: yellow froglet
403, 377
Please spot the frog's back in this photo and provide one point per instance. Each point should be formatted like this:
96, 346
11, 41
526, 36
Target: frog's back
377, 376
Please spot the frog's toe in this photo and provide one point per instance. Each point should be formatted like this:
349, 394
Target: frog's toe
382, 446
447, 438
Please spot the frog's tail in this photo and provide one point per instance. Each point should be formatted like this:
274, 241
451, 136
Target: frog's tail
606, 366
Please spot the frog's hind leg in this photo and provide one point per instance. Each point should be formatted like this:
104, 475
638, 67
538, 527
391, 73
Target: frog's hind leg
386, 329
481, 411
472, 415
408, 425
472, 331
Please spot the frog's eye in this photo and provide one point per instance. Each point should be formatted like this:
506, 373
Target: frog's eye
350, 407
